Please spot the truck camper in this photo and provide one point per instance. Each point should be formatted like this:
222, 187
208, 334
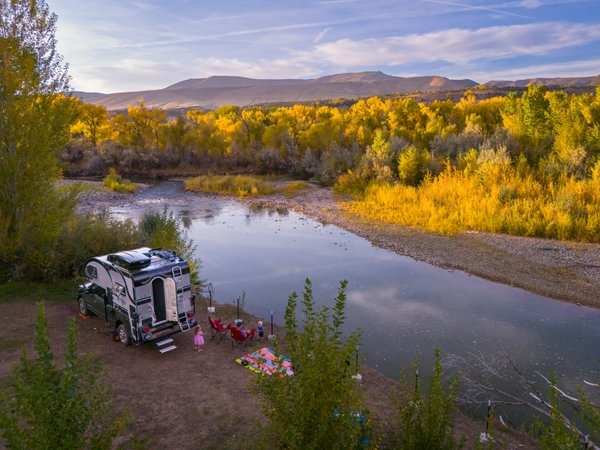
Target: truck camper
143, 294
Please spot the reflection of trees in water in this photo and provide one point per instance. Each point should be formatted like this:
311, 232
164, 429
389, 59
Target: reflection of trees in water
204, 207
204, 215
260, 209
186, 218
266, 209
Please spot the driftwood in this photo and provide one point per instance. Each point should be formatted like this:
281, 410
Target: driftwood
496, 380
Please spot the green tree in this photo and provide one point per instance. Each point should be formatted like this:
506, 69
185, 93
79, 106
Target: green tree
63, 406
34, 124
557, 432
316, 407
426, 421
412, 164
378, 159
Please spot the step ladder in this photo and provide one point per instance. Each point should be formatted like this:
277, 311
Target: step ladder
164, 347
184, 322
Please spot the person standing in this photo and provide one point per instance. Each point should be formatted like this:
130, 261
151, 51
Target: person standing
198, 338
260, 329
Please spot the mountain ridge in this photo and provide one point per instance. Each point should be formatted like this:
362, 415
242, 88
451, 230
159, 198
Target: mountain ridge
215, 91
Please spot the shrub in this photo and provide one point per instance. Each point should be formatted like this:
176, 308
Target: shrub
165, 231
426, 421
89, 235
114, 182
320, 406
295, 188
351, 183
240, 185
65, 406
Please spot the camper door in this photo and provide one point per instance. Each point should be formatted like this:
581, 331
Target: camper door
164, 298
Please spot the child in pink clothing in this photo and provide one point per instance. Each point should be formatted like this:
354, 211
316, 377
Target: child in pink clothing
198, 338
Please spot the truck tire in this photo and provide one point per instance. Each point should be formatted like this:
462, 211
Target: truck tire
122, 334
82, 307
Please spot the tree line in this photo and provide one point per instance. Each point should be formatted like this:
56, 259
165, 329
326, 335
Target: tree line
530, 158
551, 132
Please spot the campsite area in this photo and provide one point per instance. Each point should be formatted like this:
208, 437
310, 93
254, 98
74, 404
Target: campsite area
186, 399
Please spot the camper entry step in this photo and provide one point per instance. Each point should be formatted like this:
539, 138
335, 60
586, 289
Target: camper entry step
168, 348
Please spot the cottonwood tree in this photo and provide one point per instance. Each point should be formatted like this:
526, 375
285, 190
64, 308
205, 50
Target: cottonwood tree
92, 122
34, 119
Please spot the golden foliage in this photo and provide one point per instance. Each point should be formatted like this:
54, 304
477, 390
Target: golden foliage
240, 185
114, 182
458, 201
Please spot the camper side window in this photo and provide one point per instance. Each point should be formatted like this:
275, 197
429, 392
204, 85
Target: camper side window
119, 290
91, 272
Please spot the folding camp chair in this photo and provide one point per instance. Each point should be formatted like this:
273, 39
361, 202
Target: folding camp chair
217, 328
239, 336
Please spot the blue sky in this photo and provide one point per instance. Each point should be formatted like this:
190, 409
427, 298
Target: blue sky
130, 45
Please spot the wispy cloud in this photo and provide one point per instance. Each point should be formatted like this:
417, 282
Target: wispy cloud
581, 68
321, 35
497, 10
458, 45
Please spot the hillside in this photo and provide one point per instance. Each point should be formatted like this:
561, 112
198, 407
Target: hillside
215, 91
212, 92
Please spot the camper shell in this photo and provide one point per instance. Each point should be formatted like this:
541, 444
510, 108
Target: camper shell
143, 294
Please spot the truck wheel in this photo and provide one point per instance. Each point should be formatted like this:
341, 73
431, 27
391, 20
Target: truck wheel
82, 307
123, 336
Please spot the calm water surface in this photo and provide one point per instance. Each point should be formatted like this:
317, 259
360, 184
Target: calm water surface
404, 308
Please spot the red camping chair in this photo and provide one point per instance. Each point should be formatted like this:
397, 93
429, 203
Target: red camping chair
217, 328
239, 337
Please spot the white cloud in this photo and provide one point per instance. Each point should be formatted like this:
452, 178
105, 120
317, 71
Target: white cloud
457, 46
320, 35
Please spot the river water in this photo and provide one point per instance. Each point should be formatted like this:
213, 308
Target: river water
404, 308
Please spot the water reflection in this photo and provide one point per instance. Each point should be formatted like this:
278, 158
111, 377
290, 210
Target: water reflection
404, 308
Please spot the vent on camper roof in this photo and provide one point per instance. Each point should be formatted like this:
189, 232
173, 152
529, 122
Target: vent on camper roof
129, 260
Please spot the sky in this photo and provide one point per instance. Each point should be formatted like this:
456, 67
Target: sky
133, 45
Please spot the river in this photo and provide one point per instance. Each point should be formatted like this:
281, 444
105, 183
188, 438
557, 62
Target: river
404, 308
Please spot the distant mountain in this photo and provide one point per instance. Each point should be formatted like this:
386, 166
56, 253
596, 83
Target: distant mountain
573, 82
212, 92
215, 91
